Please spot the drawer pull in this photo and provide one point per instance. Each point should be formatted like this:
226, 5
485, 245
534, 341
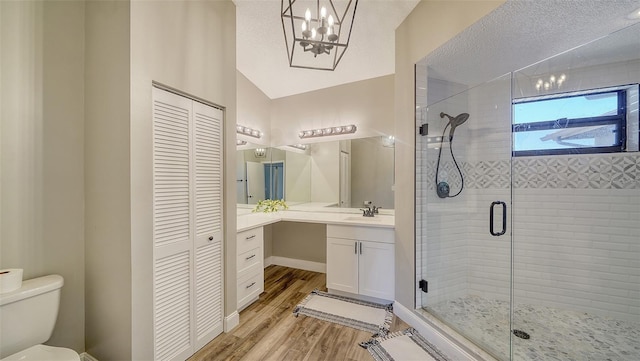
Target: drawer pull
251, 285
250, 257
250, 237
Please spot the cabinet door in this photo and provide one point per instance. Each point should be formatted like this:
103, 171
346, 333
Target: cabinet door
342, 264
376, 270
172, 231
207, 220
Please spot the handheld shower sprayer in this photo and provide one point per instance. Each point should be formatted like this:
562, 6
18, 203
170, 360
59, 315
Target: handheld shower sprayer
455, 122
442, 188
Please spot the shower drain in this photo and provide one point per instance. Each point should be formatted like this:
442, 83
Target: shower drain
521, 334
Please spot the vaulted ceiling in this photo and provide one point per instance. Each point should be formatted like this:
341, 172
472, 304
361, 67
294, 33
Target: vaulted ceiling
262, 54
515, 35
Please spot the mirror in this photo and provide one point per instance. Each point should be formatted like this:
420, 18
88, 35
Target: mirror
327, 174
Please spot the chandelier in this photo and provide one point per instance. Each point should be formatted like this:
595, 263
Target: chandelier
317, 32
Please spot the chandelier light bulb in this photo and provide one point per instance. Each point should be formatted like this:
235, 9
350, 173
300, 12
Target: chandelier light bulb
331, 21
313, 33
552, 79
304, 26
323, 12
307, 15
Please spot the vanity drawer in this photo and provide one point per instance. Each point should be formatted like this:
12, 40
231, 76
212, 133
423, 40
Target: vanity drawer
248, 259
249, 240
249, 287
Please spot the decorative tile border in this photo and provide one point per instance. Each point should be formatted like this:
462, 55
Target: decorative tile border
619, 171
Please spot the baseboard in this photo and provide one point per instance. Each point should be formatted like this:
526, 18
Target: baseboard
444, 343
268, 261
231, 321
86, 357
299, 264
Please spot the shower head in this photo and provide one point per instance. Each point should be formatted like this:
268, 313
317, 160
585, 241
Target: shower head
455, 122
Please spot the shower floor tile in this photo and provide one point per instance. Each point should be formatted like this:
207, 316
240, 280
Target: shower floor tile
555, 334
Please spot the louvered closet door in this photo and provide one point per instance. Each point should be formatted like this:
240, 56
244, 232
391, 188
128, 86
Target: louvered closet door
187, 201
208, 222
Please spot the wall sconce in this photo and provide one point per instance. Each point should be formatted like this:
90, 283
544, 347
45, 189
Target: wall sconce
240, 142
340, 130
260, 152
299, 146
241, 129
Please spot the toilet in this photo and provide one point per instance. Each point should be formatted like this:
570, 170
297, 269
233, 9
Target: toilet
27, 318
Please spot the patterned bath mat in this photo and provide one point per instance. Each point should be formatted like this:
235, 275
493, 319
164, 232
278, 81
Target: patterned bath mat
362, 315
407, 345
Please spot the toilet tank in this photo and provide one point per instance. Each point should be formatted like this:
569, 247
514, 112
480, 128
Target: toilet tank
28, 314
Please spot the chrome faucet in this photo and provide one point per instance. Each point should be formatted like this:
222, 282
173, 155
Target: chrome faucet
375, 209
368, 212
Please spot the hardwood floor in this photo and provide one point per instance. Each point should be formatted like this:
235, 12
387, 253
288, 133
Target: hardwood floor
268, 329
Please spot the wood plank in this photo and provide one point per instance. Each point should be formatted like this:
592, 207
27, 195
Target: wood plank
268, 330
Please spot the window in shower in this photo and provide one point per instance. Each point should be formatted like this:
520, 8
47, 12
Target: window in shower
576, 123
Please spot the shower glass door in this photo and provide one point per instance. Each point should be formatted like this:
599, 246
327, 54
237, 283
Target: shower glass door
463, 170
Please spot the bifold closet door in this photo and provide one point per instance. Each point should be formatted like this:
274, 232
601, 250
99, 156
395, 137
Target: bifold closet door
187, 234
207, 202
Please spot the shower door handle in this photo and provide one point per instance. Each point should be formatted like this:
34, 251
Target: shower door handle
504, 218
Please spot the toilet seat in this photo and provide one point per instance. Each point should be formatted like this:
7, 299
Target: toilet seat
44, 352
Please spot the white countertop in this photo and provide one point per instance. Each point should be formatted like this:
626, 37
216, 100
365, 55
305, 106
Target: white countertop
251, 220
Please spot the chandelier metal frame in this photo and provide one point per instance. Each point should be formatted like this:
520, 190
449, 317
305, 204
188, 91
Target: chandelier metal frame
330, 39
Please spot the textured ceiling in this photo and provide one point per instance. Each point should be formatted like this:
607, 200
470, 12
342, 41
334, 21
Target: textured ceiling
262, 55
520, 33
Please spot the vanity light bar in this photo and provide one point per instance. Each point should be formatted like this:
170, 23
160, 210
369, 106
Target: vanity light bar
299, 146
241, 129
343, 129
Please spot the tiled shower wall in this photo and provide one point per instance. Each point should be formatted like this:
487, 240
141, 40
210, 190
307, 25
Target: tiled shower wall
575, 218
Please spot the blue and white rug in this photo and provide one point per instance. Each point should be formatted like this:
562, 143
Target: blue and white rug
407, 345
362, 315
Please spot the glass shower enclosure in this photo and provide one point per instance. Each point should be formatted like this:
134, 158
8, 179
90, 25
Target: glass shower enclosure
533, 255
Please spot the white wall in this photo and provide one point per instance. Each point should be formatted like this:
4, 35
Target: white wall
189, 46
254, 110
368, 104
41, 130
107, 180
186, 45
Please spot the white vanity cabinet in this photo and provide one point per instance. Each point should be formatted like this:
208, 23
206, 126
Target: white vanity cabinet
360, 260
250, 266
